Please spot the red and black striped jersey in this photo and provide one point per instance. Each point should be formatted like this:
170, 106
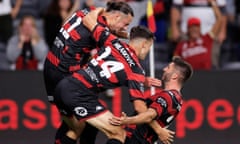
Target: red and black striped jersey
116, 64
167, 104
73, 44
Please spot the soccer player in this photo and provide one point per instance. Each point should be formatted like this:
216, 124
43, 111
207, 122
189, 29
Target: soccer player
116, 64
73, 44
164, 106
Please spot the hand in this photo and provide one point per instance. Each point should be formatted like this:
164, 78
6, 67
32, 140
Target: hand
175, 35
22, 39
166, 136
209, 1
90, 20
212, 2
35, 36
221, 37
14, 13
117, 121
152, 82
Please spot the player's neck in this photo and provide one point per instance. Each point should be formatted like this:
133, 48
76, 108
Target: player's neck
172, 86
135, 47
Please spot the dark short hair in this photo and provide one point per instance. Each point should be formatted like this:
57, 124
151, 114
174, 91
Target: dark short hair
119, 6
141, 32
184, 67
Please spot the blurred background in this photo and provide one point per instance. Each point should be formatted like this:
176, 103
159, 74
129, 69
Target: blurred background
211, 113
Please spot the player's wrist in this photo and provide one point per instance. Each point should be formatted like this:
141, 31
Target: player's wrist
213, 3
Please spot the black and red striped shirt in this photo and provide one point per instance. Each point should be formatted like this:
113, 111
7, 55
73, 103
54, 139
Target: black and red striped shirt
73, 44
167, 104
116, 64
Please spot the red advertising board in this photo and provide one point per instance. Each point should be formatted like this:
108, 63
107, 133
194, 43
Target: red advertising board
210, 115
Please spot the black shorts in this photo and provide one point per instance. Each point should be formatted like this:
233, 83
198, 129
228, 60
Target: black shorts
52, 76
72, 98
132, 140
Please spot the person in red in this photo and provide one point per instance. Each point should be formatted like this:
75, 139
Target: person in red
164, 106
197, 48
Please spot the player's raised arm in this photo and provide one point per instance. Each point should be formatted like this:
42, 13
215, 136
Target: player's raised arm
144, 117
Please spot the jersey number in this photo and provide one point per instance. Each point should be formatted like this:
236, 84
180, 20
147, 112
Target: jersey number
108, 67
65, 32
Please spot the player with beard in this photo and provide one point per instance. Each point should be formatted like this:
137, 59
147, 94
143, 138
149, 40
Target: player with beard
163, 106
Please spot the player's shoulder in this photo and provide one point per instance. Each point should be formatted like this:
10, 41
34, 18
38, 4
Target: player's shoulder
168, 94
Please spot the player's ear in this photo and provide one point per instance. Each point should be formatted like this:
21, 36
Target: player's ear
175, 75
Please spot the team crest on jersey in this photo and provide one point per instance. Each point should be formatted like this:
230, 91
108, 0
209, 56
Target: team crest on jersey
162, 102
85, 11
81, 111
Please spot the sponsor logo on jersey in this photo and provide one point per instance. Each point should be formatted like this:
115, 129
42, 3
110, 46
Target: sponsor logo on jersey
162, 102
92, 74
58, 43
194, 51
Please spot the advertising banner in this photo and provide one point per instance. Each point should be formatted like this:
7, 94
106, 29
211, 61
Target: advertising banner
210, 114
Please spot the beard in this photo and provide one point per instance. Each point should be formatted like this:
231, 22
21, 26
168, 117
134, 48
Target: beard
165, 79
163, 84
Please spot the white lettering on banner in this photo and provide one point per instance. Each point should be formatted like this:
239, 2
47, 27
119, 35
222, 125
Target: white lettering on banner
193, 51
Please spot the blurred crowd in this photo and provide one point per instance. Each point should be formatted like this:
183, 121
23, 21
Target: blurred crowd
28, 29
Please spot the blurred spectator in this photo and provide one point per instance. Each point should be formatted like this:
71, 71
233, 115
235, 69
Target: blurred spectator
197, 48
57, 12
139, 9
230, 51
184, 9
32, 7
7, 14
237, 10
26, 49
